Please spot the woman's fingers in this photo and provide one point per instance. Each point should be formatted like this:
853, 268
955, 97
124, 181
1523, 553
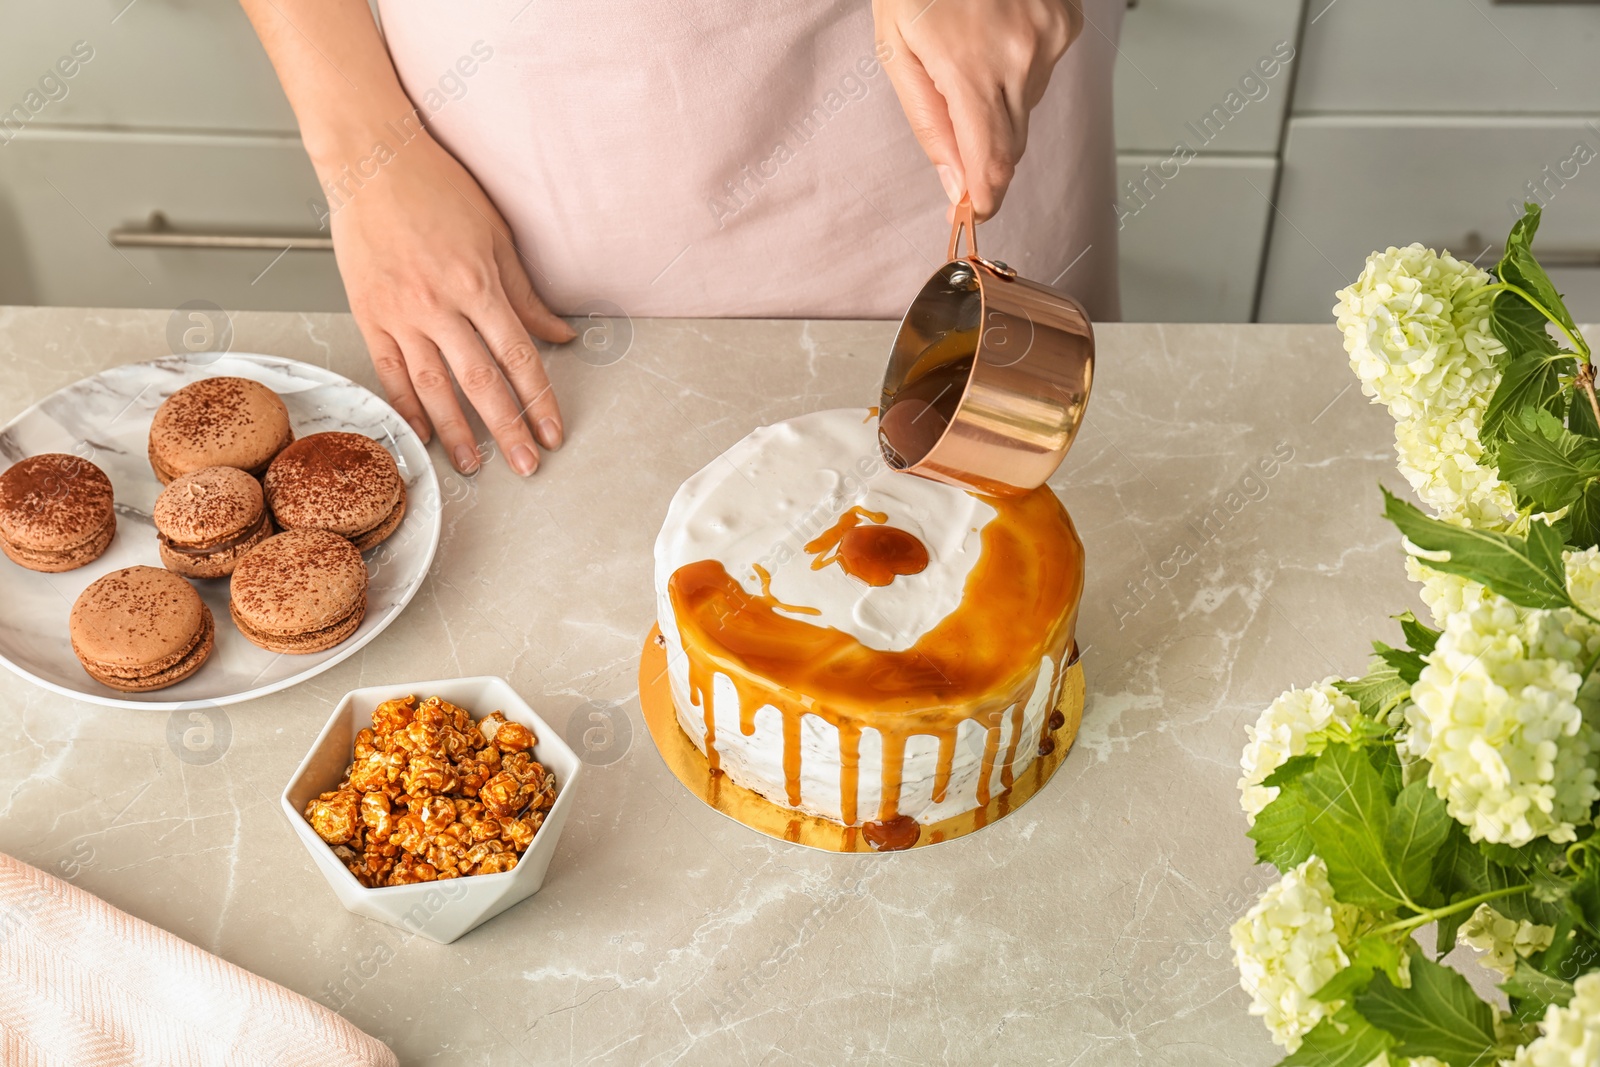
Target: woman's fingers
436, 390
990, 143
519, 360
486, 390
929, 116
390, 363
537, 319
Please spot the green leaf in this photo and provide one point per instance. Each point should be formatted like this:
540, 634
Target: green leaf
1420, 637
1464, 869
1417, 831
1519, 267
1348, 820
1385, 759
1289, 770
1531, 382
1526, 571
1549, 466
1407, 664
1532, 991
1583, 517
1584, 898
1280, 829
1438, 1016
1580, 418
1379, 691
1345, 1040
1370, 955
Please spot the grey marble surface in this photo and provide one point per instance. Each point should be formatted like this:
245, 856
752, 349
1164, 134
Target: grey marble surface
1089, 928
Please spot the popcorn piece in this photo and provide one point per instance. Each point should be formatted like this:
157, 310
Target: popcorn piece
333, 816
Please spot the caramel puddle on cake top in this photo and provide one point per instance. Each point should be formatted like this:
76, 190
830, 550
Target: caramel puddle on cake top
876, 554
1023, 592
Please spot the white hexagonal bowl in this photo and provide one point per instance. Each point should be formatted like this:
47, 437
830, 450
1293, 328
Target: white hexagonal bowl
440, 911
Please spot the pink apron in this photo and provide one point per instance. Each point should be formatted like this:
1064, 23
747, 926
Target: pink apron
740, 157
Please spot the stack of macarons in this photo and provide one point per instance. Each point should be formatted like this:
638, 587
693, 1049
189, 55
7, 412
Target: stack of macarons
213, 443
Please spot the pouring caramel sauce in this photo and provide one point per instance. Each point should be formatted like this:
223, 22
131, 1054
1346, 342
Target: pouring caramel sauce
1018, 607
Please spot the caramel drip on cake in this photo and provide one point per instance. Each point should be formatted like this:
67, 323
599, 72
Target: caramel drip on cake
1022, 593
876, 554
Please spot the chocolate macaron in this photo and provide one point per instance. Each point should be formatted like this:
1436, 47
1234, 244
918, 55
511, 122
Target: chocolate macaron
141, 628
208, 519
299, 591
218, 422
340, 482
56, 512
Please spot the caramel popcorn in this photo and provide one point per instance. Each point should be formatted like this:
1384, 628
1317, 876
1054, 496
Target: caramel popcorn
432, 794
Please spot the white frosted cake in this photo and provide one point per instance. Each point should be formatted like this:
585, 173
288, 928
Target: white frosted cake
855, 642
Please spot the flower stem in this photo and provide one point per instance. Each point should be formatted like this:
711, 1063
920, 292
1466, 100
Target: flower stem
1432, 914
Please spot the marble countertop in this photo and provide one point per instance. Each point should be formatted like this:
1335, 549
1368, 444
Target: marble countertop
1088, 928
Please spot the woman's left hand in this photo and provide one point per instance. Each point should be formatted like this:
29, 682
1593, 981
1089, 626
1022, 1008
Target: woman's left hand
967, 73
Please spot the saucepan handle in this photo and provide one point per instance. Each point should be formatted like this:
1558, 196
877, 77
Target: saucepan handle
963, 220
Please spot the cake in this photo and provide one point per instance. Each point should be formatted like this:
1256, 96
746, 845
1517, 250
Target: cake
859, 643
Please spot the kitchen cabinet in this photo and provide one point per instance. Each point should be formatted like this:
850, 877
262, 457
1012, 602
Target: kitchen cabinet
1450, 57
1355, 183
65, 228
1190, 247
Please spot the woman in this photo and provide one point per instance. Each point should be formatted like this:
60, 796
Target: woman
488, 166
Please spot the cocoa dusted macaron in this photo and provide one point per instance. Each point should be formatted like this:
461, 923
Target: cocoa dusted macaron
141, 628
56, 512
299, 591
207, 520
218, 422
340, 482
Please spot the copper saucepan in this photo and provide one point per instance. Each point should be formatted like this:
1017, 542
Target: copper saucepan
988, 377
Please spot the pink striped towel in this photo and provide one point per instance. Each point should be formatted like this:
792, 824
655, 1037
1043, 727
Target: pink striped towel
86, 985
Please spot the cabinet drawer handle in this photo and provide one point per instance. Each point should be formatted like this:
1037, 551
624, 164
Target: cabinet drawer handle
1475, 250
159, 233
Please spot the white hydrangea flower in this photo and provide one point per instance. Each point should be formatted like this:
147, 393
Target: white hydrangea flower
1445, 594
1440, 455
1288, 946
1569, 1036
1503, 940
1298, 722
1583, 578
1496, 713
1417, 332
1416, 327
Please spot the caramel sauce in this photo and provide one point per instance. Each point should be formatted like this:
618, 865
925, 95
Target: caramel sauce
892, 835
1022, 594
919, 412
876, 554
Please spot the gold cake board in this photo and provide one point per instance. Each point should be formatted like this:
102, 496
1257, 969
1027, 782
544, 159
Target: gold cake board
752, 809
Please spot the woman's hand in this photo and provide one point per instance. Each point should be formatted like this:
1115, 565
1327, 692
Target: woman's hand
435, 282
430, 268
967, 73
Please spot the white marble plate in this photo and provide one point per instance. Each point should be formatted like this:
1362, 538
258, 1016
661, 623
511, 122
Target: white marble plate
106, 420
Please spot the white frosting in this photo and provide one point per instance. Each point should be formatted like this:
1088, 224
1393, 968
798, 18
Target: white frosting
759, 503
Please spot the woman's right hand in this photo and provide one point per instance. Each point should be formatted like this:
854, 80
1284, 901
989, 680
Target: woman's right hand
440, 293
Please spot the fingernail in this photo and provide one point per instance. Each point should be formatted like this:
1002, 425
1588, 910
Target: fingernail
420, 428
523, 461
549, 434
466, 459
950, 180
